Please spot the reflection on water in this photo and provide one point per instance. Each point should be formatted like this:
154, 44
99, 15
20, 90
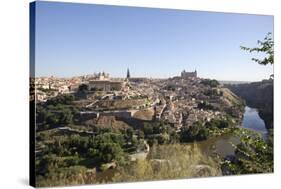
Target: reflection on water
220, 145
223, 145
253, 121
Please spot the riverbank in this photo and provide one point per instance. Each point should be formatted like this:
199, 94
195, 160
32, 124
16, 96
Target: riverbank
258, 95
223, 144
215, 148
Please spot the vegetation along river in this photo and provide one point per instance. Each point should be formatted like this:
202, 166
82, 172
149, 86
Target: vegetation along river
223, 145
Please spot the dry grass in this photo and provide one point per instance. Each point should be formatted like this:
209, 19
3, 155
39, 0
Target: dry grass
144, 114
170, 162
230, 98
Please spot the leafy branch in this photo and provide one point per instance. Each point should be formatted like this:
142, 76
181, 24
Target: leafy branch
266, 46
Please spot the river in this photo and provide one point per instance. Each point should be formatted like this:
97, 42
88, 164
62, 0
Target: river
252, 121
223, 145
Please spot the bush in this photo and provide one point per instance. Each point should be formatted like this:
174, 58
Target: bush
83, 87
171, 161
218, 123
210, 82
54, 114
107, 147
61, 99
252, 155
205, 105
159, 133
106, 153
196, 132
73, 175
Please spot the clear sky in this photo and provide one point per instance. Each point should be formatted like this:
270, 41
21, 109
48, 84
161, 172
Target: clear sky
76, 39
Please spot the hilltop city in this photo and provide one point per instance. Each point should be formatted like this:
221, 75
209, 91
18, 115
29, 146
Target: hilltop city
181, 100
104, 128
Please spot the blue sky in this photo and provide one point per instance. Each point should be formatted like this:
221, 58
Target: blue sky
75, 39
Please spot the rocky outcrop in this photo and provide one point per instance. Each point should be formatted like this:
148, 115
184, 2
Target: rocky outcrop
257, 95
203, 170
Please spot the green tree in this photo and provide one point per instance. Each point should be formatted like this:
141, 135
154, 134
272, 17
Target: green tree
210, 82
66, 116
218, 123
83, 87
107, 147
195, 132
266, 46
60, 99
252, 155
147, 129
107, 152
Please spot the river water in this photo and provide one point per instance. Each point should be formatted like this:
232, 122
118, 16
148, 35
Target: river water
223, 145
252, 121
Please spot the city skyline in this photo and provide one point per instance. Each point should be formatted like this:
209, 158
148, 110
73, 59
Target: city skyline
78, 39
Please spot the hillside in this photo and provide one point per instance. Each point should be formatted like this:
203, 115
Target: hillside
257, 95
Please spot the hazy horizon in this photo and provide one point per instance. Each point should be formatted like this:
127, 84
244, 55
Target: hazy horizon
79, 39
68, 77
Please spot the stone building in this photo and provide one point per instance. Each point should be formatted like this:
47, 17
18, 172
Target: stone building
102, 82
187, 75
105, 85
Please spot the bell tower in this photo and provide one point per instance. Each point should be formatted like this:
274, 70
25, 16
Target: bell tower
128, 74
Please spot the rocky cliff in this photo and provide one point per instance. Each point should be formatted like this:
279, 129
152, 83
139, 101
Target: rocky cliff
257, 95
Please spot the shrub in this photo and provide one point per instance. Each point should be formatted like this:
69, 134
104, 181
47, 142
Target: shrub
210, 82
196, 132
169, 162
205, 105
218, 123
252, 155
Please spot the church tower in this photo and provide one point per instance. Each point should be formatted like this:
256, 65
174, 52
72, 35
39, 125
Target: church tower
128, 74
